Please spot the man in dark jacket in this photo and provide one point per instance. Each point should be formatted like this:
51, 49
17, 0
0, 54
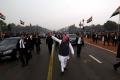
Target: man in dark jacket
21, 45
37, 41
80, 43
49, 42
107, 38
115, 66
118, 57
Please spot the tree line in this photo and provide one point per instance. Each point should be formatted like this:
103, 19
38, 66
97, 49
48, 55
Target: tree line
109, 26
13, 28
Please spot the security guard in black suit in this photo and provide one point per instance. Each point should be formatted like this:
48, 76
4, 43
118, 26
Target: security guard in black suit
49, 42
118, 57
80, 43
23, 51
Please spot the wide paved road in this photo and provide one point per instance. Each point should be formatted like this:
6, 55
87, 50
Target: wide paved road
94, 64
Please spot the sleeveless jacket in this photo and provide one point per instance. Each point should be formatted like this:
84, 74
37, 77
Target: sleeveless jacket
64, 48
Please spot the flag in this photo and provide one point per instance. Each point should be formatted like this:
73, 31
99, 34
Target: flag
83, 20
30, 24
80, 24
21, 22
2, 16
89, 20
117, 11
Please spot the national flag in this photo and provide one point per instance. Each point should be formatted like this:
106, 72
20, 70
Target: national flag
30, 24
21, 22
117, 11
80, 24
83, 20
89, 20
2, 16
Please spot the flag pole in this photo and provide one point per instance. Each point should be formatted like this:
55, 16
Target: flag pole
92, 28
118, 30
119, 23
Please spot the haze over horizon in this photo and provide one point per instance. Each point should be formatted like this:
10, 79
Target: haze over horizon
56, 14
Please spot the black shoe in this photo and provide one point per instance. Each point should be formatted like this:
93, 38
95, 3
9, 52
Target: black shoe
26, 64
65, 68
23, 65
62, 73
78, 56
115, 68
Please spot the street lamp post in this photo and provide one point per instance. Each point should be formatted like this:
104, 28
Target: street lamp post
119, 24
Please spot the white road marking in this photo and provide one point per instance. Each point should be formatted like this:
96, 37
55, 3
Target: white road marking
95, 59
102, 48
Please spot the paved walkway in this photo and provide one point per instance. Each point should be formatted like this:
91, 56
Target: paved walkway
100, 43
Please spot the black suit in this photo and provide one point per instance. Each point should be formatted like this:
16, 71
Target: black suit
79, 47
107, 39
49, 42
37, 42
23, 53
118, 56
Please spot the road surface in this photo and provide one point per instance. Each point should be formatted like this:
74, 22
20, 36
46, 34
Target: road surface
94, 64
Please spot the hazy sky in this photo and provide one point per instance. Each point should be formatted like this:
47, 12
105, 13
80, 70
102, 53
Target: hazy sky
55, 14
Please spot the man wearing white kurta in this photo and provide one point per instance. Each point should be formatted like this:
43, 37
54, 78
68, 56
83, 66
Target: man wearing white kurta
65, 46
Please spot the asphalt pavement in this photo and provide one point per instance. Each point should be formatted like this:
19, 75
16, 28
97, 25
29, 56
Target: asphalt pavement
94, 64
